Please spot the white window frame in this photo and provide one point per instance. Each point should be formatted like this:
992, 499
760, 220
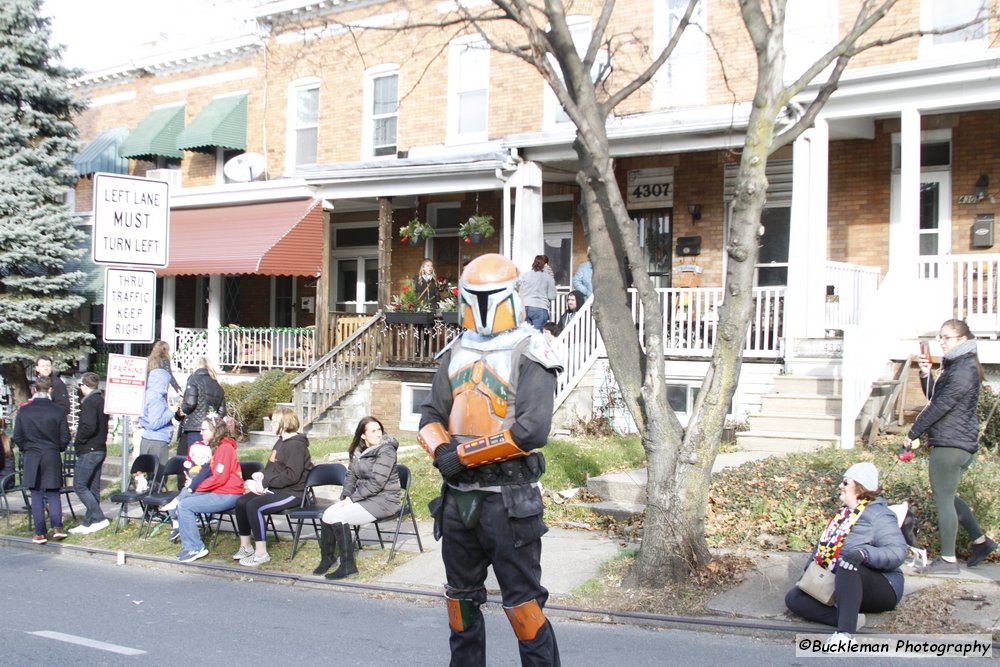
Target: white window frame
291, 116
683, 79
465, 80
812, 27
409, 421
359, 253
930, 47
581, 30
369, 118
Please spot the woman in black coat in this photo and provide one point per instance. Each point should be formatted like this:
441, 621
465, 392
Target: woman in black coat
950, 425
203, 394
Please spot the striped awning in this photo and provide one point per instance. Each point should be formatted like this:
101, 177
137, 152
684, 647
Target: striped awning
102, 154
223, 122
156, 135
269, 239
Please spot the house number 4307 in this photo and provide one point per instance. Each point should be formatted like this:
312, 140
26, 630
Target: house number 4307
651, 190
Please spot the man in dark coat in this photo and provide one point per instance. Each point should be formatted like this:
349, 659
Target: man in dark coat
91, 444
59, 394
41, 431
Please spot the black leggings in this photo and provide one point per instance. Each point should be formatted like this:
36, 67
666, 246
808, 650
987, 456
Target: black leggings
251, 508
858, 590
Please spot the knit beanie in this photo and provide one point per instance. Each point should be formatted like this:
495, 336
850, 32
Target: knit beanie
865, 474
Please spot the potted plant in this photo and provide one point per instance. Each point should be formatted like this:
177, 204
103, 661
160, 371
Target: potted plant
415, 230
477, 228
448, 304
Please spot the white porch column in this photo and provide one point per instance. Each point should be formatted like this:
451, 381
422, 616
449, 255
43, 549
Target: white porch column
904, 240
527, 239
168, 312
505, 224
805, 299
214, 321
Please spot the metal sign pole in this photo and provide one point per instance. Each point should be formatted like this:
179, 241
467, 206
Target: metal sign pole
125, 442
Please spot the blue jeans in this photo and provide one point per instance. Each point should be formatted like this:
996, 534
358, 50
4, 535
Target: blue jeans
535, 316
188, 509
40, 498
87, 484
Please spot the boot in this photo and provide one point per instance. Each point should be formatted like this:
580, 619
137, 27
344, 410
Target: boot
345, 542
327, 547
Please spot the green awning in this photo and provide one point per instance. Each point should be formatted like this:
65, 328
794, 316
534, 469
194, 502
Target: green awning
102, 154
223, 122
156, 135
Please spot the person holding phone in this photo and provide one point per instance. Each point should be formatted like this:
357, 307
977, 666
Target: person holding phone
950, 423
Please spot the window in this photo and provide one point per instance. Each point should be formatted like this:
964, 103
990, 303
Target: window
303, 123
356, 285
681, 80
283, 301
444, 247
468, 83
381, 107
557, 226
943, 15
579, 28
412, 396
811, 29
772, 263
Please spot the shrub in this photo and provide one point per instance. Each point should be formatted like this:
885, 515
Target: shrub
250, 402
989, 408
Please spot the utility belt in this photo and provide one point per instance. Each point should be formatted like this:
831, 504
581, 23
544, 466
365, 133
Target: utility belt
522, 503
521, 470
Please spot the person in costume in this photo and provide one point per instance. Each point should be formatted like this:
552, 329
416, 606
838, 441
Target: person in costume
485, 443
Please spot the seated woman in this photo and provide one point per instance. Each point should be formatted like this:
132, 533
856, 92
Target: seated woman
371, 492
216, 491
864, 548
278, 488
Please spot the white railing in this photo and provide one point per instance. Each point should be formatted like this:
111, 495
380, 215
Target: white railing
581, 343
971, 282
853, 286
248, 347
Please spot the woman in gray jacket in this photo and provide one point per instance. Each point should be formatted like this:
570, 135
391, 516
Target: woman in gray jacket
371, 492
538, 288
863, 546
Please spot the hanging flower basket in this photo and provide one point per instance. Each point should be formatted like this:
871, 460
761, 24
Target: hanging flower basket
477, 228
414, 231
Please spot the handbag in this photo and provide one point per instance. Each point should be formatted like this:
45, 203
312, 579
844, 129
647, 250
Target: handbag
817, 582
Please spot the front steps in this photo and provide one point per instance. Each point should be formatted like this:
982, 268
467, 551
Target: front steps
801, 414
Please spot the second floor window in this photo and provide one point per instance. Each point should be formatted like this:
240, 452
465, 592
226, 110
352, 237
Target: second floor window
682, 79
945, 14
468, 82
303, 113
382, 111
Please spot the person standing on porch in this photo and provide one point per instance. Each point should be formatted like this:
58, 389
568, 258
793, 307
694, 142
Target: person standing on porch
950, 424
202, 395
538, 289
425, 284
91, 444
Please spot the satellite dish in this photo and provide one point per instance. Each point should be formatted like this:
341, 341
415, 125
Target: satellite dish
245, 167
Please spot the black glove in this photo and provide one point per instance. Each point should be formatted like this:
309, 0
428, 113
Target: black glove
446, 460
855, 557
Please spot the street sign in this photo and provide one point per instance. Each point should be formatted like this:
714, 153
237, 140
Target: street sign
126, 385
131, 220
129, 305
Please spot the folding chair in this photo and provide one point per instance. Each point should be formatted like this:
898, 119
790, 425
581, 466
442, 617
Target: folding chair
325, 474
247, 469
144, 463
152, 503
68, 470
404, 509
13, 482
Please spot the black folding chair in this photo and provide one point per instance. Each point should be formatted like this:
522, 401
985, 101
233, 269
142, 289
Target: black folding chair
14, 482
154, 501
68, 470
325, 474
144, 463
405, 509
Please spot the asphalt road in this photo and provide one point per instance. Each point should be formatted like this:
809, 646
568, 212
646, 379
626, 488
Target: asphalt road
73, 610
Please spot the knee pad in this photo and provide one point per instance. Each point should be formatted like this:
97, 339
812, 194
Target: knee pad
462, 613
526, 619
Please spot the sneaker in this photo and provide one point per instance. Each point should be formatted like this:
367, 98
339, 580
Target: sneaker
839, 642
939, 566
981, 551
79, 530
243, 553
172, 505
175, 534
58, 534
39, 539
100, 525
253, 560
190, 556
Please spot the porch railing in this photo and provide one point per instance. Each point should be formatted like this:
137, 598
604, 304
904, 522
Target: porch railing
852, 286
248, 347
582, 344
968, 288
338, 371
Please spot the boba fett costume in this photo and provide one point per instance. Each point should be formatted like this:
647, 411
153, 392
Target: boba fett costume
489, 413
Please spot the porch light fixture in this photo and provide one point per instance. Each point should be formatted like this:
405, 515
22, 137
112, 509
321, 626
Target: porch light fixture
981, 186
695, 211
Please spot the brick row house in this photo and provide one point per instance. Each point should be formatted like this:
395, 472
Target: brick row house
338, 130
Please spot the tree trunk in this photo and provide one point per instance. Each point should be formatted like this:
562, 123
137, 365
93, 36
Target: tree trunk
16, 378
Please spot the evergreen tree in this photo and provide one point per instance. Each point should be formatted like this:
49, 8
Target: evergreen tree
37, 234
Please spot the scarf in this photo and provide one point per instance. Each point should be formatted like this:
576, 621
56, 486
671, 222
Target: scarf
836, 531
962, 349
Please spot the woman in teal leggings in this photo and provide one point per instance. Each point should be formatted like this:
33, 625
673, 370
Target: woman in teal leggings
951, 426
